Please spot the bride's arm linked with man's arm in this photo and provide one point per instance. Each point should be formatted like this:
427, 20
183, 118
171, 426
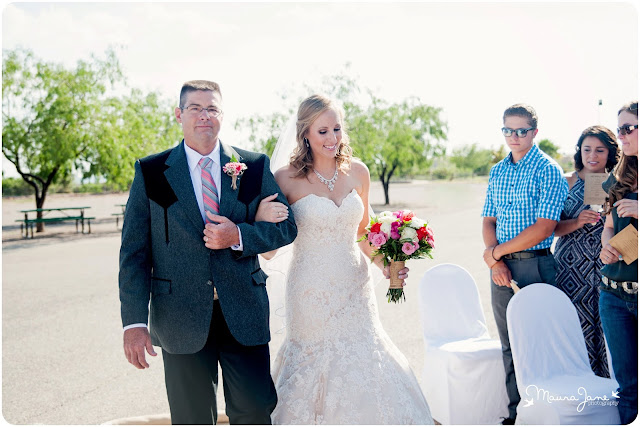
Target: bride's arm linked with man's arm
274, 212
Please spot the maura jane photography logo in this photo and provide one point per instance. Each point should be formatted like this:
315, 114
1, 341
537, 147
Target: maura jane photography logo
535, 393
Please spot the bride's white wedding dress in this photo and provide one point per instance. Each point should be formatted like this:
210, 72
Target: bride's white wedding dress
337, 365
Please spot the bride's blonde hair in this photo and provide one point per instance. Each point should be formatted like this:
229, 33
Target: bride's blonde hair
310, 109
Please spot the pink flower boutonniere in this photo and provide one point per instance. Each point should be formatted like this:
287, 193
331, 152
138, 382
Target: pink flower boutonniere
234, 169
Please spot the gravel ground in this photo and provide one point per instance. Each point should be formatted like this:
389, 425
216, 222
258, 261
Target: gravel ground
62, 358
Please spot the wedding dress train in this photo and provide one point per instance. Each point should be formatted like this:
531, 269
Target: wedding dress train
337, 364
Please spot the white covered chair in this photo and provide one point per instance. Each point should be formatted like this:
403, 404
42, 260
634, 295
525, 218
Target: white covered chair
555, 380
463, 375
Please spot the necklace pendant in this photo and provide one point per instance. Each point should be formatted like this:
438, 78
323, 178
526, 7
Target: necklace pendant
328, 182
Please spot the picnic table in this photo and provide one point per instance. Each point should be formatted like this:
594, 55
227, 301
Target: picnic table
74, 213
123, 206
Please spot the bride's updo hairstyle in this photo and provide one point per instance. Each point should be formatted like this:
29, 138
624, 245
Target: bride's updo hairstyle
310, 109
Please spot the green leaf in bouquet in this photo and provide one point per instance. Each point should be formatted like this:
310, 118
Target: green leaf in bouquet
395, 295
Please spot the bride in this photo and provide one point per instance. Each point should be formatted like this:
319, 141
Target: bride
337, 365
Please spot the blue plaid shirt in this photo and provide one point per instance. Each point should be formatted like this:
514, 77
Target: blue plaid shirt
519, 193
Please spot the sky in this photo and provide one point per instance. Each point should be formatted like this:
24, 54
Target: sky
472, 59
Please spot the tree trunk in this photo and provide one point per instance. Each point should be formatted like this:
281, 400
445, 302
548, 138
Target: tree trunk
385, 187
385, 178
39, 205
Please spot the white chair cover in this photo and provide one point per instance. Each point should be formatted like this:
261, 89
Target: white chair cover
555, 380
463, 376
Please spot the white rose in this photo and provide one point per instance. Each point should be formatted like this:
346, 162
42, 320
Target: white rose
385, 214
408, 233
417, 222
385, 227
386, 219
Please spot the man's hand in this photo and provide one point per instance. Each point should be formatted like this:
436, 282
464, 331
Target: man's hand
501, 274
136, 341
222, 235
488, 257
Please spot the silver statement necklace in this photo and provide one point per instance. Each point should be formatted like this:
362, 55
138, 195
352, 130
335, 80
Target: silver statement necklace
328, 182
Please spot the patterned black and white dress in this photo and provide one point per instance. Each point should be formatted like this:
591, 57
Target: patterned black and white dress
578, 275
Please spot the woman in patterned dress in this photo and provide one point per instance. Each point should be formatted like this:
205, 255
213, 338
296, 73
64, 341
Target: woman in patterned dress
578, 248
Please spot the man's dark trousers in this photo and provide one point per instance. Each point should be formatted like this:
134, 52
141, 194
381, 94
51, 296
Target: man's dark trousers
540, 269
248, 388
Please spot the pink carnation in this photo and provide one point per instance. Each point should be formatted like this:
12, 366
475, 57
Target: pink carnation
429, 233
377, 239
431, 242
409, 247
398, 214
394, 230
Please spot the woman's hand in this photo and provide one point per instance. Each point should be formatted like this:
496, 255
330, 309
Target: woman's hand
587, 216
402, 274
627, 208
609, 255
270, 211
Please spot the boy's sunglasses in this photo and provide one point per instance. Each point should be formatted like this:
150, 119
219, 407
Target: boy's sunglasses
521, 133
626, 129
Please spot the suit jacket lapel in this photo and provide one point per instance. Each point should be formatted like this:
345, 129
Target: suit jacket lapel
179, 178
228, 196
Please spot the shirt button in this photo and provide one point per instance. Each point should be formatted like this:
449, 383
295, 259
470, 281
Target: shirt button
209, 282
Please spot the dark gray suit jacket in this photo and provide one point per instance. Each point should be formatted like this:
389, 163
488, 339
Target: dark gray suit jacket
167, 274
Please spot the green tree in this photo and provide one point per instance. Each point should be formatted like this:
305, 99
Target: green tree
550, 148
391, 139
263, 130
473, 158
499, 154
58, 120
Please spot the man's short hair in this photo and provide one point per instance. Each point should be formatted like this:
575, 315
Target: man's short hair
522, 110
194, 85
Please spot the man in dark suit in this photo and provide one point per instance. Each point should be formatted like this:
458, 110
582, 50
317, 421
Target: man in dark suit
201, 290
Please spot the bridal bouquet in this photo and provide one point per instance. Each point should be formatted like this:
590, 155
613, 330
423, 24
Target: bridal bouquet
398, 237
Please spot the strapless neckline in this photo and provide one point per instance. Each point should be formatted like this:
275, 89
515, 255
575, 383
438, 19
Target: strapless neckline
326, 198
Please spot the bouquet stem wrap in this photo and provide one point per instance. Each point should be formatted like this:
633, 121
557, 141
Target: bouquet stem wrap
394, 267
395, 292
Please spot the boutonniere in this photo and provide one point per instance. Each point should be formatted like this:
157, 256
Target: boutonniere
234, 169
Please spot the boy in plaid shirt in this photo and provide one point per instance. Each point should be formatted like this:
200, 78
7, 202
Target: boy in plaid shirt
525, 196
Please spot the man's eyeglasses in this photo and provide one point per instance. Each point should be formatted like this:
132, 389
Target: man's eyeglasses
521, 133
626, 129
196, 109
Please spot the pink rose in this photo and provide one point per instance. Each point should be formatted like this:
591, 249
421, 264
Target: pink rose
377, 239
431, 242
409, 248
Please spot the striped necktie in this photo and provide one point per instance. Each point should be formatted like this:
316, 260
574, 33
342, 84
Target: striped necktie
209, 189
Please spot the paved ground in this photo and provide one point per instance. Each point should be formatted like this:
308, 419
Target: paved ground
62, 359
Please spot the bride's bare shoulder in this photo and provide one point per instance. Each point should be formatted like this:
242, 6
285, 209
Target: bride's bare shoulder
360, 170
284, 175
